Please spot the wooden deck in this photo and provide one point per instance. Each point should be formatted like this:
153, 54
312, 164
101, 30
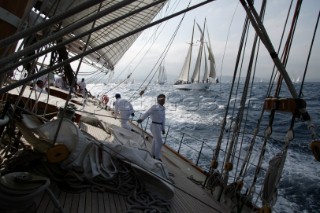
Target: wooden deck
188, 196
85, 202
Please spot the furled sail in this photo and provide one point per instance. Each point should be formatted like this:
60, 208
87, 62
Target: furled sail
117, 14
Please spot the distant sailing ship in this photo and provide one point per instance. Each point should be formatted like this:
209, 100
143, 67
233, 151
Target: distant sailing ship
162, 75
209, 75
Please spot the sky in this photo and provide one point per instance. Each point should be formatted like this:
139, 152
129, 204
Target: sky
224, 19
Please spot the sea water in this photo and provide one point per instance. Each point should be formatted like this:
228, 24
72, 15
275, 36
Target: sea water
197, 117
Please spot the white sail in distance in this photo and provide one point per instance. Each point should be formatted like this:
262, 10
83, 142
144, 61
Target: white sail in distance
206, 71
184, 74
212, 70
199, 80
196, 73
162, 76
212, 73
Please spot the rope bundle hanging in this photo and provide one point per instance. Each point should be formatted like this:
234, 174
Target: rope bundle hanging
215, 158
315, 144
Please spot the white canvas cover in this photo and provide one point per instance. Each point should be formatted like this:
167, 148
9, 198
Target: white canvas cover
95, 158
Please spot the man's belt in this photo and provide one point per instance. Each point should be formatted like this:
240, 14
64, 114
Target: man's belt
156, 123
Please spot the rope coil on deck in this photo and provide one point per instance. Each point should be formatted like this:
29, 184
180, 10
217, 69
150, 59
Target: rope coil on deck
125, 183
19, 189
214, 180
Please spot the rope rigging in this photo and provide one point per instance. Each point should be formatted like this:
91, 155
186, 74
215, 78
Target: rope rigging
274, 73
255, 131
232, 147
261, 31
315, 143
155, 35
235, 187
160, 59
215, 158
227, 39
287, 47
309, 54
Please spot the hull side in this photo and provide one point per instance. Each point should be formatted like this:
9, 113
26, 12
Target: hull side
192, 86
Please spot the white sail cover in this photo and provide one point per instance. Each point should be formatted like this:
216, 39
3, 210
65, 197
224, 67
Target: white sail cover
109, 55
97, 158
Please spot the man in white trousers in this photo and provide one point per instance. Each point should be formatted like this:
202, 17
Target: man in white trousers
125, 109
82, 87
157, 114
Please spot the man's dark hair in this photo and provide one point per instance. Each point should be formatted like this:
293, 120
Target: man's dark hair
161, 96
39, 82
117, 96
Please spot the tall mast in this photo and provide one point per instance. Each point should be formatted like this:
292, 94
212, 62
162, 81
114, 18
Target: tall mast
202, 42
196, 72
191, 44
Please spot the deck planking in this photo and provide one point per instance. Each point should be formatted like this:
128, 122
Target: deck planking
186, 199
75, 203
82, 203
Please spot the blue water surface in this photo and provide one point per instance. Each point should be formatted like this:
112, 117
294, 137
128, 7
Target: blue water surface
198, 115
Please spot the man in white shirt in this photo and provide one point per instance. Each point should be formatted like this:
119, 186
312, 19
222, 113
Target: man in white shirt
39, 89
82, 87
61, 83
39, 86
125, 109
157, 114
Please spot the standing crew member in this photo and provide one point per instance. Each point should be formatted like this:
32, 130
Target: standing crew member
82, 87
125, 109
39, 86
61, 82
157, 114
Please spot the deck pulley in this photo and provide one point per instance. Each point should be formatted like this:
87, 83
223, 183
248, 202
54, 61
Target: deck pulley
214, 164
228, 166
